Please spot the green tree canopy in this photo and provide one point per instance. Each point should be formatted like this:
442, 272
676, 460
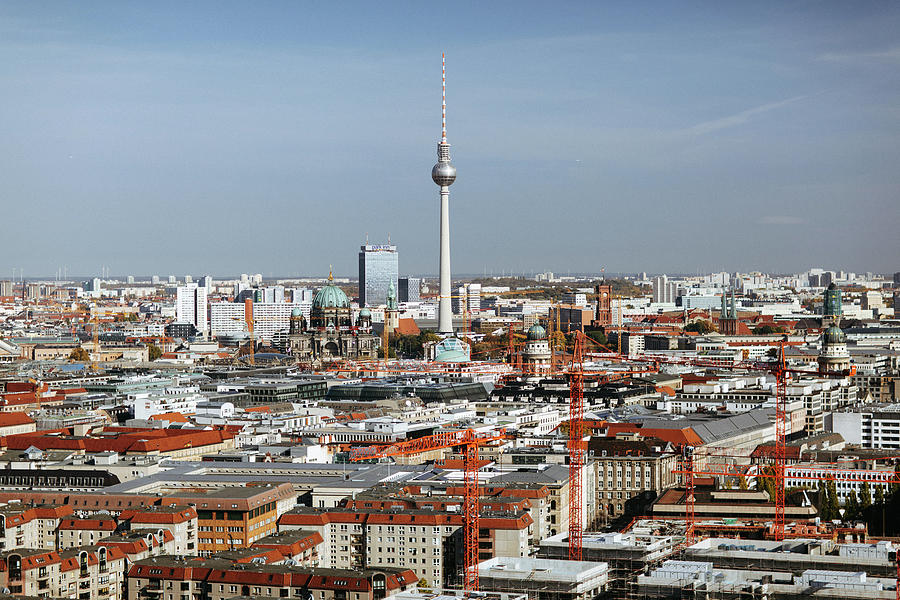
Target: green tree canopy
851, 506
865, 496
79, 354
700, 326
153, 351
768, 329
598, 336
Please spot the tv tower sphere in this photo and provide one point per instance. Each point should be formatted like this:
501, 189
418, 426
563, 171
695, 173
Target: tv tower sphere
443, 173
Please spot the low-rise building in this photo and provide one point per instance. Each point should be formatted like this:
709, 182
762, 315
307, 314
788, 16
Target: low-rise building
542, 578
173, 578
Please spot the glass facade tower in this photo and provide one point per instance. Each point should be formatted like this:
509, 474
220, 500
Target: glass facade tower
378, 269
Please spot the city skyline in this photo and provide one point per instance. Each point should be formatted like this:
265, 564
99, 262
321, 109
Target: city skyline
135, 135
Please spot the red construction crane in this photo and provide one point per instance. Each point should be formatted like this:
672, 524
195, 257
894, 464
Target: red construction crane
576, 450
470, 441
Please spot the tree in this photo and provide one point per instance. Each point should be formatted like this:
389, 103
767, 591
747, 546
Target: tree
766, 482
851, 506
768, 329
153, 351
79, 354
700, 326
865, 497
742, 483
879, 495
834, 506
822, 502
598, 336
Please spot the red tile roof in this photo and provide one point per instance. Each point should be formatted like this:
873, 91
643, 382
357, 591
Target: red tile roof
11, 419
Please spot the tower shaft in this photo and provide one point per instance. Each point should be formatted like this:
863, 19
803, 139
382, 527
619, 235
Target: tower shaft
445, 315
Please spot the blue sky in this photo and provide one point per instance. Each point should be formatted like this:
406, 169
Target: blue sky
229, 137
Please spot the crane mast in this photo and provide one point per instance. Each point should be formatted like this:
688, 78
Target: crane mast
470, 441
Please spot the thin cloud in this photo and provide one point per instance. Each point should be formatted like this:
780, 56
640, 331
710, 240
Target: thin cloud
889, 55
740, 118
780, 220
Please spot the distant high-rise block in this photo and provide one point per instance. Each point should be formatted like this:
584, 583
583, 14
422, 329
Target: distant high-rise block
6, 288
378, 269
191, 306
409, 289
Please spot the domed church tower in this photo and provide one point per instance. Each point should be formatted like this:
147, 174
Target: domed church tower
834, 356
536, 355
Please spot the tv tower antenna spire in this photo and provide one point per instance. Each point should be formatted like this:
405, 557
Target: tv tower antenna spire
443, 100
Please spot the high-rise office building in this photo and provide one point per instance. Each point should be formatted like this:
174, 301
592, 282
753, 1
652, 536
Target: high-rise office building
191, 306
409, 289
378, 270
207, 282
6, 288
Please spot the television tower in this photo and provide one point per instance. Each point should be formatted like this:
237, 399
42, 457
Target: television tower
444, 174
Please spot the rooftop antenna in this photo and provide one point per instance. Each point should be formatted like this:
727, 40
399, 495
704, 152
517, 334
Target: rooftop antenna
443, 101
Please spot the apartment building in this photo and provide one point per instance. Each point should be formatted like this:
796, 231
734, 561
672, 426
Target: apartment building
232, 518
139, 544
25, 526
628, 467
301, 547
427, 541
176, 578
227, 517
180, 521
874, 426
88, 573
75, 533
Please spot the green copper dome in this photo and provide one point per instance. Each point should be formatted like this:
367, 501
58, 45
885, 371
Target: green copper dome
297, 312
834, 335
331, 296
536, 332
365, 313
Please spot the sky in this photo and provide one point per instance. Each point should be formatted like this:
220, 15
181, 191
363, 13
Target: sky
273, 137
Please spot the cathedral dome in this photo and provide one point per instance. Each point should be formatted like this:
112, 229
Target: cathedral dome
331, 296
834, 335
536, 332
296, 312
365, 313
